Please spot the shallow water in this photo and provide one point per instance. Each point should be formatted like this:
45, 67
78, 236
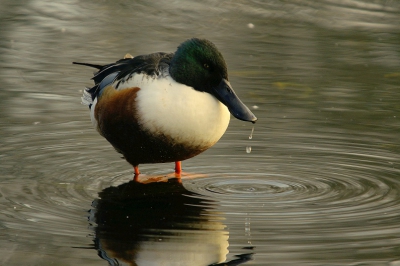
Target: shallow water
317, 184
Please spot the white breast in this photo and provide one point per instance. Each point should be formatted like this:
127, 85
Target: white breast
178, 111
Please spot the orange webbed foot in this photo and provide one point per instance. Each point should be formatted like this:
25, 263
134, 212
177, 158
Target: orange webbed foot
178, 174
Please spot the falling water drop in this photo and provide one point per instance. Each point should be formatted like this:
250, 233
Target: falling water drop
251, 134
248, 149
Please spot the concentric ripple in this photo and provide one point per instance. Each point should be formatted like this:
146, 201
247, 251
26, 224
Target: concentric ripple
338, 192
247, 188
344, 212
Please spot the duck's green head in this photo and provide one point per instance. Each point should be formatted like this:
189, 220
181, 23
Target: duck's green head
198, 63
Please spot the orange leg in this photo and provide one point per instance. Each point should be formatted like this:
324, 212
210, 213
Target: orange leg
136, 168
178, 167
137, 172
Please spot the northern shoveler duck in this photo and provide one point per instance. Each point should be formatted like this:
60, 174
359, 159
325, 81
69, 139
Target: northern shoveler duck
164, 107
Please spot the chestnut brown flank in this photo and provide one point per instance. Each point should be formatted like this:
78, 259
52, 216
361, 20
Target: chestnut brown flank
117, 120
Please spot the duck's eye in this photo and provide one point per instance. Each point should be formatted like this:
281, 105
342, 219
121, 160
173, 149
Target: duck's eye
206, 66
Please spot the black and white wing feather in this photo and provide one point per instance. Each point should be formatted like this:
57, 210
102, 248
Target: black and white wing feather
122, 70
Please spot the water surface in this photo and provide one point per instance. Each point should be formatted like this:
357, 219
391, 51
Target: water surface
318, 183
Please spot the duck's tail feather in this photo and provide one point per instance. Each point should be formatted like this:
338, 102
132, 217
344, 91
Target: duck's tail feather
89, 65
89, 94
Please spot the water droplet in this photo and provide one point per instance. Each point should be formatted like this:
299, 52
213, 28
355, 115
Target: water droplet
248, 149
251, 134
250, 26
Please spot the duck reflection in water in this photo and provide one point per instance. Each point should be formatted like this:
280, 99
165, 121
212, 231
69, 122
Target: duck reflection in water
159, 223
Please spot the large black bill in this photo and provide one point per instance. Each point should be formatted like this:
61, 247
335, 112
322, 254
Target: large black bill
227, 96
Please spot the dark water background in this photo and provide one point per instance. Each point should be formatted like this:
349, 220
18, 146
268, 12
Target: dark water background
321, 185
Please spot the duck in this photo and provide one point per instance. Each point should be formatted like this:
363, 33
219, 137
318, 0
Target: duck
164, 107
